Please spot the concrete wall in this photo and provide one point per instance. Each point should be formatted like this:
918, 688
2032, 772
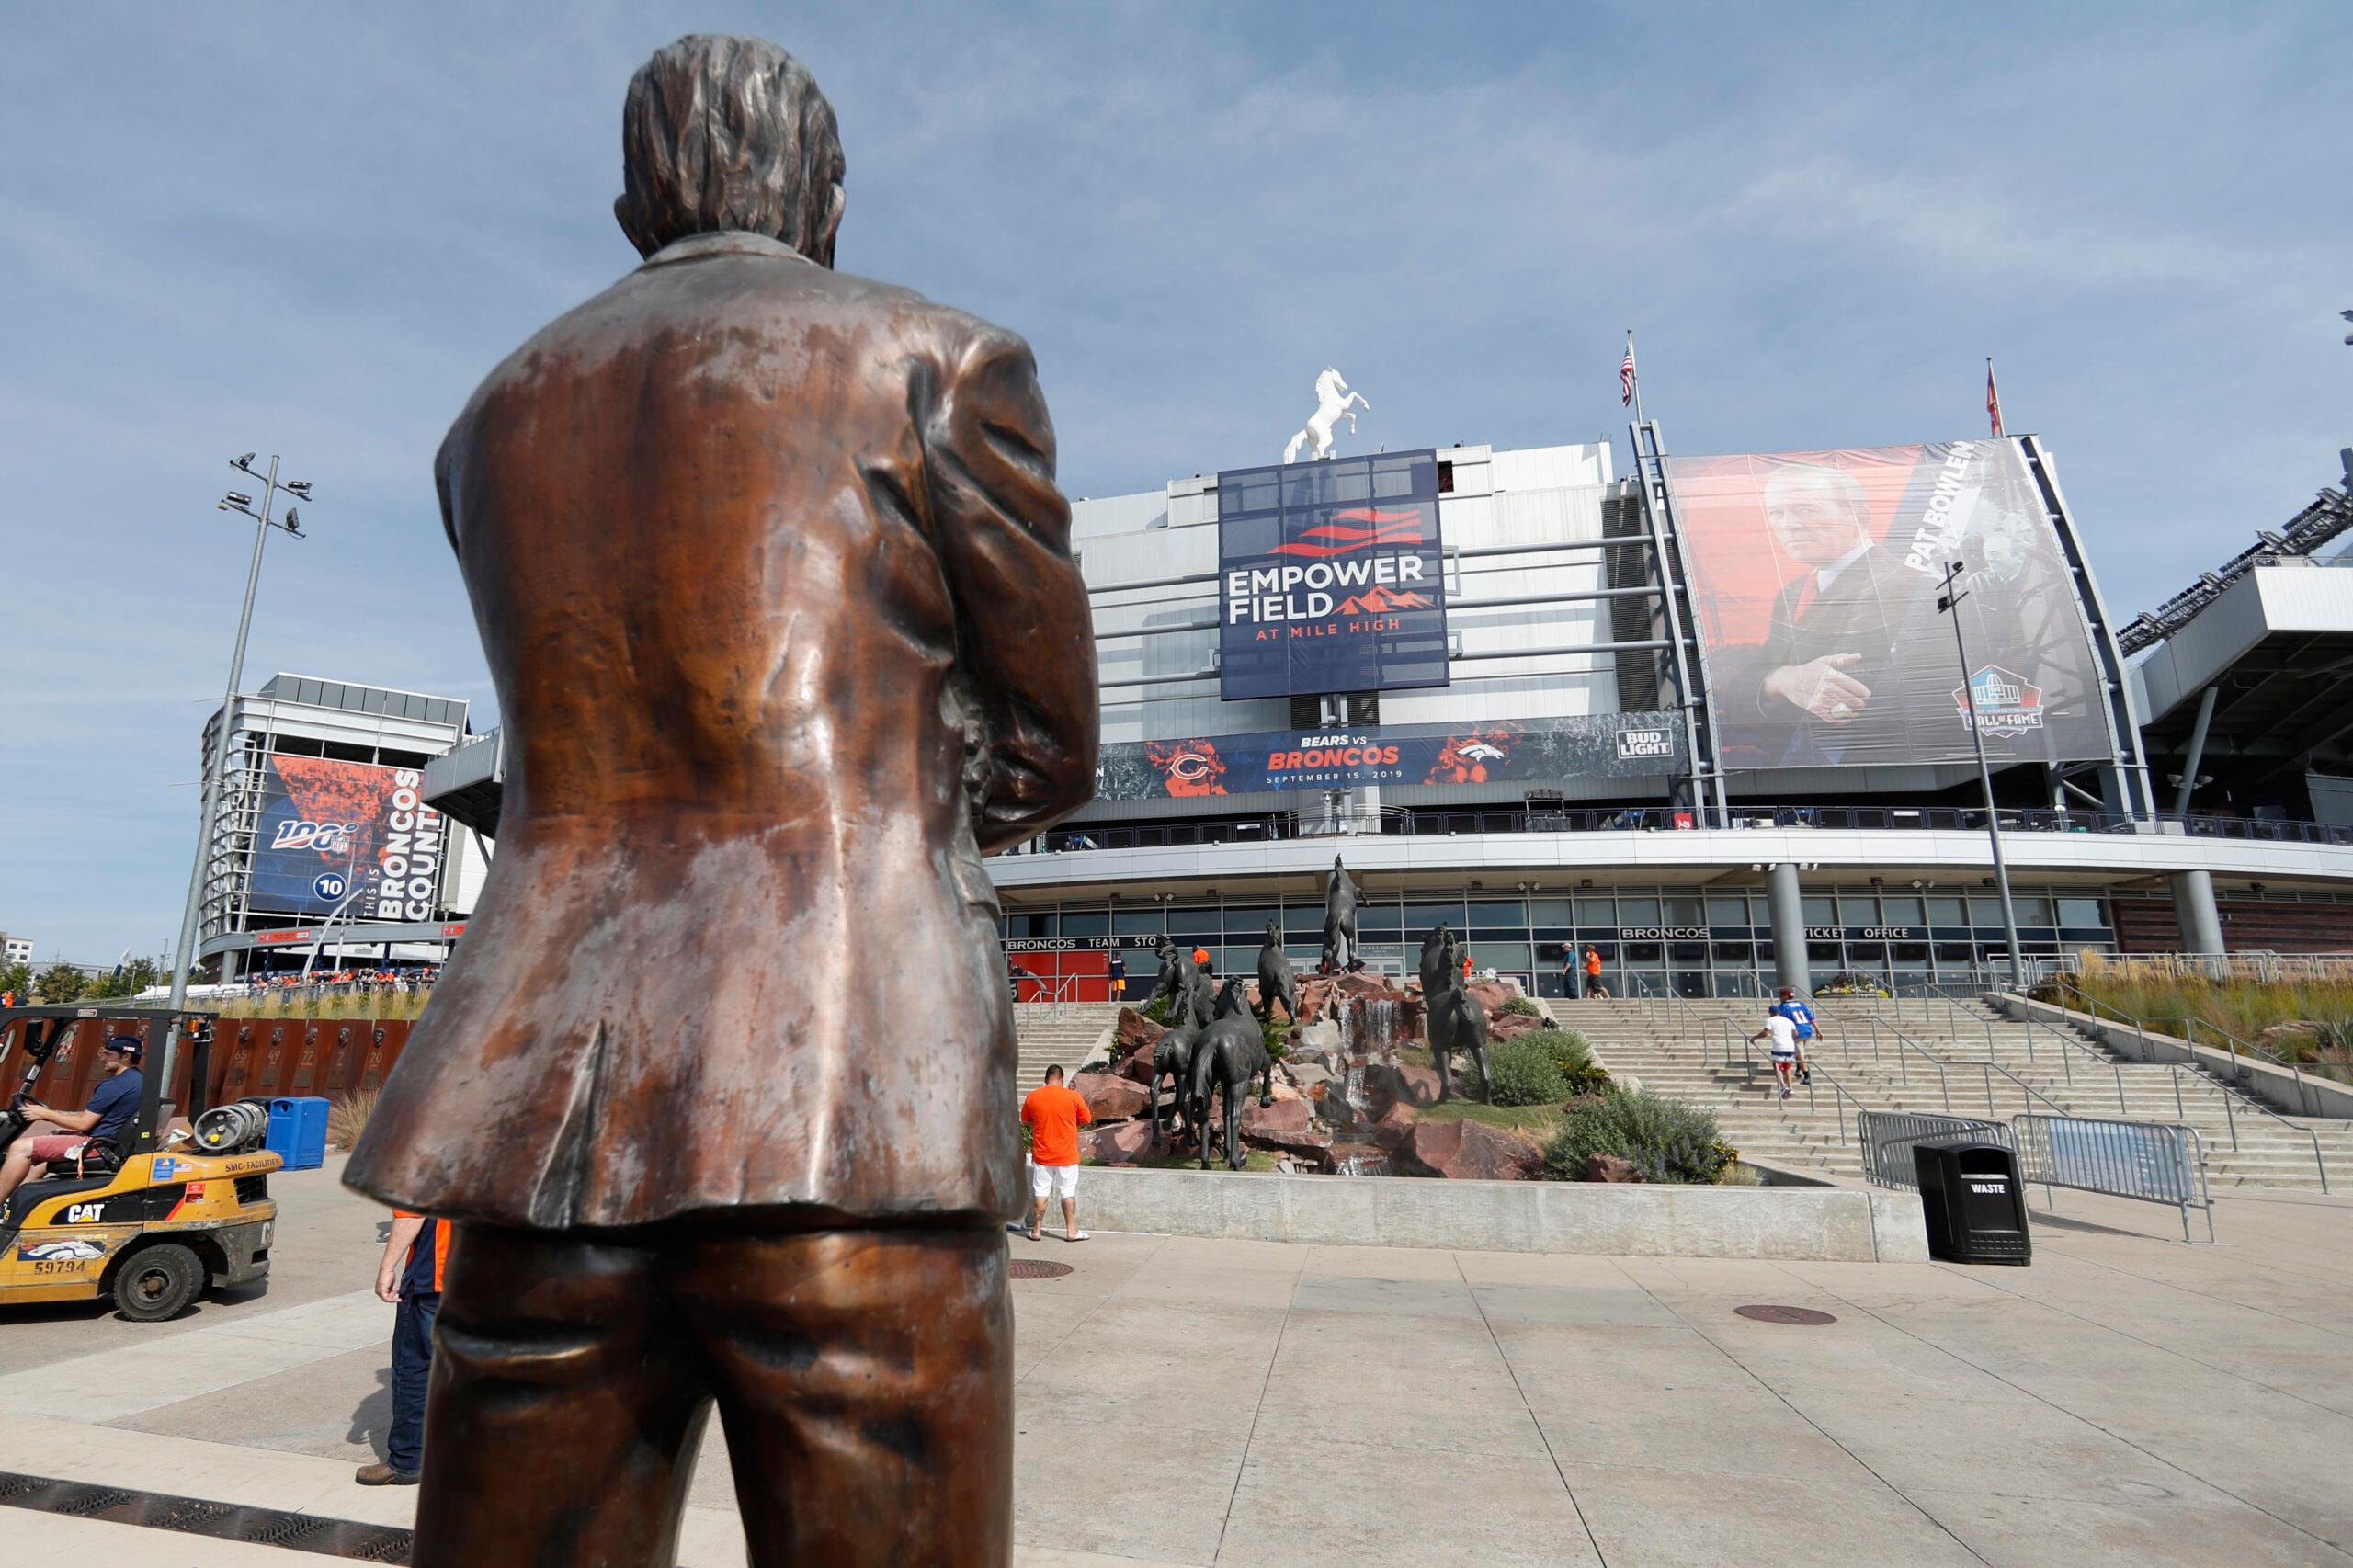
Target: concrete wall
1812, 1224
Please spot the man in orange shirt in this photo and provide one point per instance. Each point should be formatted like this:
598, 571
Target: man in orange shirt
1054, 1115
416, 1259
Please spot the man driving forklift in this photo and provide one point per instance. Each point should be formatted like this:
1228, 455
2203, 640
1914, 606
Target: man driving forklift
114, 1103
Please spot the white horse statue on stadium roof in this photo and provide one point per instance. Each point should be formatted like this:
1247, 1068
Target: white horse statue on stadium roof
1333, 400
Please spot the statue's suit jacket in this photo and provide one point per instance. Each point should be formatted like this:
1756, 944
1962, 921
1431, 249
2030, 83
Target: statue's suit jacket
776, 588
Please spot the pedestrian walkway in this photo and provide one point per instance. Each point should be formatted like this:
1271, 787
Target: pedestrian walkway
1253, 1406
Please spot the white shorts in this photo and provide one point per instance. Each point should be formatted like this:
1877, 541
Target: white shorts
1053, 1181
1788, 1060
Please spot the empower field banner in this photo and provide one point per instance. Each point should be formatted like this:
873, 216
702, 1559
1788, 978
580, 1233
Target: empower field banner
329, 826
1520, 750
1816, 576
1330, 577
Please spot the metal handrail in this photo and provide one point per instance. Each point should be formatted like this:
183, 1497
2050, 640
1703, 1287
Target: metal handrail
2228, 1093
1540, 816
1823, 1018
2189, 1034
2066, 1062
1747, 1061
1990, 1068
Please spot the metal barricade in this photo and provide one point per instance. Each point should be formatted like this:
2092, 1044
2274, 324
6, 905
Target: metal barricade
2153, 1161
1888, 1138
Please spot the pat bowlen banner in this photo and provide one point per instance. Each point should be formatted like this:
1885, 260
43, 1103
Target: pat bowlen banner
1816, 576
1503, 751
329, 827
1330, 577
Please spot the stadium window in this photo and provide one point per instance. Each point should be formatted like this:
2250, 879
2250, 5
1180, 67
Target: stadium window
1445, 479
1138, 922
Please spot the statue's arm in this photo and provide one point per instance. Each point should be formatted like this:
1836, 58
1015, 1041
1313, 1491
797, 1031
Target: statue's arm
1026, 642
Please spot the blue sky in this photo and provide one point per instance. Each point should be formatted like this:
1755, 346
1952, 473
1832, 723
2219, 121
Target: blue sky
312, 229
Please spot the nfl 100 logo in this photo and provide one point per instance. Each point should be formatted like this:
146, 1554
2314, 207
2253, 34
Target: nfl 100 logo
2007, 703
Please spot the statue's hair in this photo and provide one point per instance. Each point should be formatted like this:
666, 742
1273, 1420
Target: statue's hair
722, 132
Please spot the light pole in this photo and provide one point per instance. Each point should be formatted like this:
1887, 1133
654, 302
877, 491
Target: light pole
184, 954
1948, 603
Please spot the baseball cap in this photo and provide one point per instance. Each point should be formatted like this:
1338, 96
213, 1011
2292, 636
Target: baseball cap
128, 1045
1787, 992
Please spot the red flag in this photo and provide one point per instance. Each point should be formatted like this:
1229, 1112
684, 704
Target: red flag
1993, 398
1626, 376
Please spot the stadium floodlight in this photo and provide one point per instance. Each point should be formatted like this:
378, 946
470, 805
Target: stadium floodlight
2348, 337
217, 763
301, 487
1948, 603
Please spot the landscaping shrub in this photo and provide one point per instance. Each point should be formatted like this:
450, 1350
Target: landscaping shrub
1525, 1072
1571, 1056
1520, 1006
1666, 1140
347, 1117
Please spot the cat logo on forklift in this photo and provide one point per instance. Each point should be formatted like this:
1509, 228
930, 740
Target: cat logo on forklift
86, 1213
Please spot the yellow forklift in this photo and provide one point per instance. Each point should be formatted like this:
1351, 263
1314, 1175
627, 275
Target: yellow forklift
149, 1226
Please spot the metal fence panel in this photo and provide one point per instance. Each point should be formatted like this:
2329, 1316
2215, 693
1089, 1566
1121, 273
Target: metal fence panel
2154, 1161
1888, 1138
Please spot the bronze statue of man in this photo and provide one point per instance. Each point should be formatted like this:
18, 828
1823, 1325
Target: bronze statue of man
776, 587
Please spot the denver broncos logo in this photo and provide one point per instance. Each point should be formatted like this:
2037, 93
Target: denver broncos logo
1379, 528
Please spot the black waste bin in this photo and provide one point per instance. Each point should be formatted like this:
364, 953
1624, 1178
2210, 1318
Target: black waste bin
1975, 1203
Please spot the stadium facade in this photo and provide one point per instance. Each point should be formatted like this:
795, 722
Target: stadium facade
1707, 718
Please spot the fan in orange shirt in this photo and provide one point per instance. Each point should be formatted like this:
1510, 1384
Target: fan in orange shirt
1054, 1115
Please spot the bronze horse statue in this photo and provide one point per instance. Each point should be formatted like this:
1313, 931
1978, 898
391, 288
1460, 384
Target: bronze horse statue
1226, 1056
1455, 1019
1277, 981
1172, 1058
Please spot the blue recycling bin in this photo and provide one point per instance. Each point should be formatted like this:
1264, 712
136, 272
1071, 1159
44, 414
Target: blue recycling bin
297, 1132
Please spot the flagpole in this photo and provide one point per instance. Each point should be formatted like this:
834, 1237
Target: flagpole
1638, 375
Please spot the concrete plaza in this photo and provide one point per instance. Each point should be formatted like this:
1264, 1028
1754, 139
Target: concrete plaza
1189, 1401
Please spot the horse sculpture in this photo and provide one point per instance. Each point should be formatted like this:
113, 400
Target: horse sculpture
1177, 977
1172, 1058
1334, 401
1276, 980
1340, 922
1435, 974
1455, 1020
1228, 1054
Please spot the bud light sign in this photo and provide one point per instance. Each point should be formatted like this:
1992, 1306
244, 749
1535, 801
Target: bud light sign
1330, 577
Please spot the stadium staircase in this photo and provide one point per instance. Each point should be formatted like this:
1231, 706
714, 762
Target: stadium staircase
1937, 1056
1064, 1032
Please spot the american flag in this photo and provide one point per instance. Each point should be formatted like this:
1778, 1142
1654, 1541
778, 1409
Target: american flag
1626, 376
1993, 398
